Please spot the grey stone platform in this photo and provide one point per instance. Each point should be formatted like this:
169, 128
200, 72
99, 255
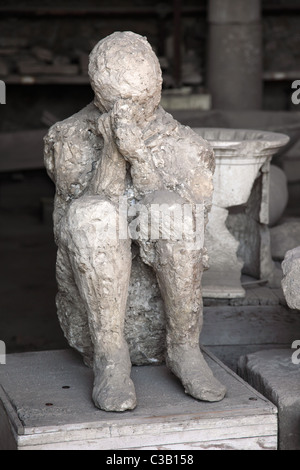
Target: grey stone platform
45, 403
274, 375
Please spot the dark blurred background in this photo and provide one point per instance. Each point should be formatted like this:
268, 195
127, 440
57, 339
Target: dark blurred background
222, 66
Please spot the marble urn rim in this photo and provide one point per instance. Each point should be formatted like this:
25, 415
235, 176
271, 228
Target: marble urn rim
244, 143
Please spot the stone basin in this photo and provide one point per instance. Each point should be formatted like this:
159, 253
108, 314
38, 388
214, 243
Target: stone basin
242, 156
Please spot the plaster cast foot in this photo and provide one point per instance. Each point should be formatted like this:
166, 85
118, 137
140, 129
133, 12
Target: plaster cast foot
114, 390
189, 366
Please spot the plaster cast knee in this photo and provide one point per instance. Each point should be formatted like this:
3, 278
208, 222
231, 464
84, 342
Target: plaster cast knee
88, 219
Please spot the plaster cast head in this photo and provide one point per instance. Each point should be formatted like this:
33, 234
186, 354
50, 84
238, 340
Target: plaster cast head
124, 66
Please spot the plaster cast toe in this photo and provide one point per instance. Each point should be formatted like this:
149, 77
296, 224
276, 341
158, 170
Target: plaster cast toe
114, 394
205, 389
194, 373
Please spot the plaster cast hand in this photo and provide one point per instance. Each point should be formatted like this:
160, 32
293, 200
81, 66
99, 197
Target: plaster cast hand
109, 177
127, 121
105, 128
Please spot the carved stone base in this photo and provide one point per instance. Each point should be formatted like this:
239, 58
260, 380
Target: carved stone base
45, 404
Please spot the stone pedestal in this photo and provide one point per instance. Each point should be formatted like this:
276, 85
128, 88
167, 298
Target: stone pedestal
45, 404
237, 235
274, 374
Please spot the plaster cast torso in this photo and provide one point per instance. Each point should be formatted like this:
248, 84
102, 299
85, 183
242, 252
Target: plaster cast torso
76, 150
168, 163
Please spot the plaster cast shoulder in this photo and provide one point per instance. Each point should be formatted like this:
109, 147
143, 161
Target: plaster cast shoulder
184, 159
72, 152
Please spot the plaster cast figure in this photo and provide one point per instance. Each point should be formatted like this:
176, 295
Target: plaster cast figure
125, 145
291, 278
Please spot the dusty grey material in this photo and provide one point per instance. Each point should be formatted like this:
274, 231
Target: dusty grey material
291, 278
284, 237
124, 146
235, 54
53, 410
279, 194
275, 376
242, 157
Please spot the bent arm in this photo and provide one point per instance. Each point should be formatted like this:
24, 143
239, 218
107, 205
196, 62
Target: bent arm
128, 126
72, 151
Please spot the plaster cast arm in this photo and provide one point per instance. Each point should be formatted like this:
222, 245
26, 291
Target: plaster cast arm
129, 122
109, 178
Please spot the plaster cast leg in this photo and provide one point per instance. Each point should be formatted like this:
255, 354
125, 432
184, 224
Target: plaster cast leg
179, 272
71, 310
101, 265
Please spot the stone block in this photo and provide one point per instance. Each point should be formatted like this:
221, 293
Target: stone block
284, 237
45, 404
275, 376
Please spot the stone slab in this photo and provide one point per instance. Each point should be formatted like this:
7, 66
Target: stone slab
274, 374
39, 412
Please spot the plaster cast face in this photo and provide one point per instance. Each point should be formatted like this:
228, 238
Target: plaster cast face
124, 66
